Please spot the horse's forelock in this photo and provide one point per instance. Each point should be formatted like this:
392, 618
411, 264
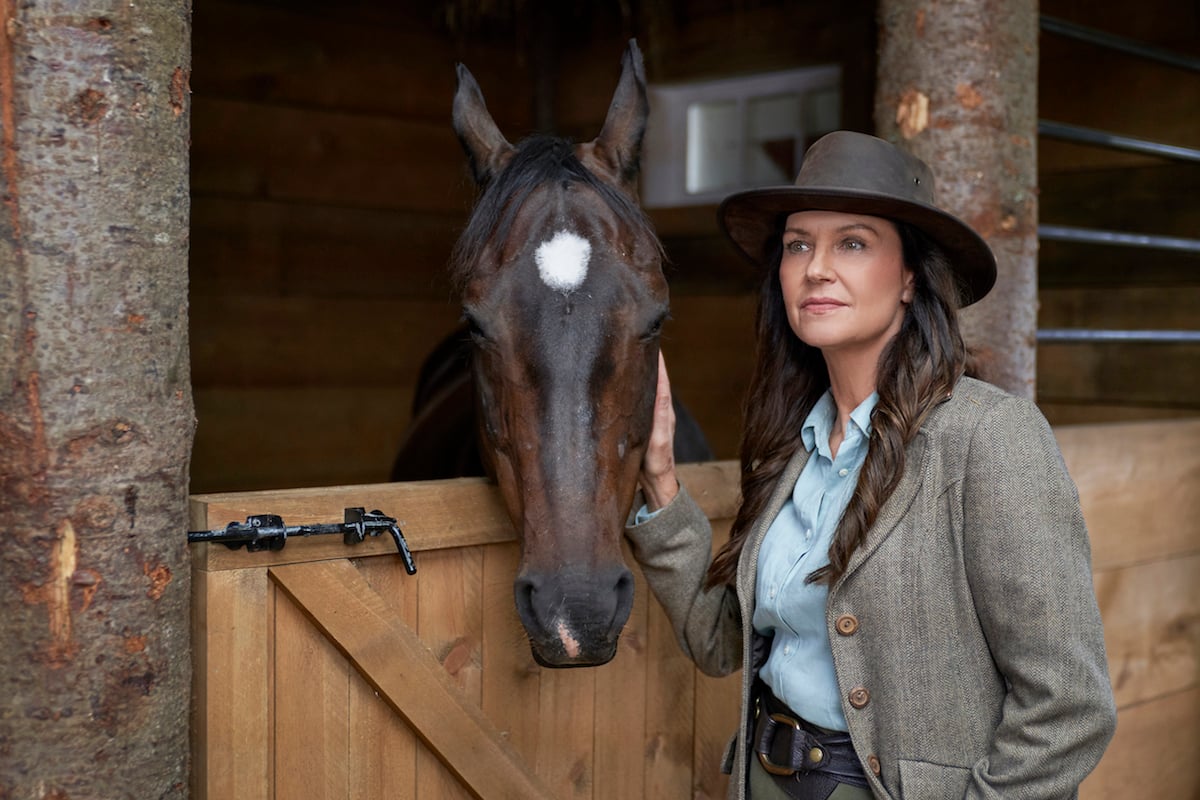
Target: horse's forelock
539, 160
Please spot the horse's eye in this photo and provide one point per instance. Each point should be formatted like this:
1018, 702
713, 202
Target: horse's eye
474, 329
655, 327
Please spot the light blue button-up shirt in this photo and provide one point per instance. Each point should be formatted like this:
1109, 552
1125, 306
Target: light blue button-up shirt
800, 668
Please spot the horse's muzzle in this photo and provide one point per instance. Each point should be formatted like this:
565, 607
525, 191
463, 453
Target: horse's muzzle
574, 618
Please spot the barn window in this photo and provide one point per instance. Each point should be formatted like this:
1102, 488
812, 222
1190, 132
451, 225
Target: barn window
705, 140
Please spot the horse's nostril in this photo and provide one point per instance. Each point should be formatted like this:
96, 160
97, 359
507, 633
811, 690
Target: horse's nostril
524, 588
624, 594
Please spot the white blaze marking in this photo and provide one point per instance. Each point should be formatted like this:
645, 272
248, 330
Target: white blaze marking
563, 261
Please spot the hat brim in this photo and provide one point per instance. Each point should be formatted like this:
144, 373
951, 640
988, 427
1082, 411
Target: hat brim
753, 220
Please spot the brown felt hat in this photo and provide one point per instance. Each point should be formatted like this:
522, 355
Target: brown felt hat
859, 174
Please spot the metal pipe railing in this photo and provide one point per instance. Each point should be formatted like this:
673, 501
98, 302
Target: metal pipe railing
1115, 141
1092, 136
1066, 233
1114, 42
1084, 335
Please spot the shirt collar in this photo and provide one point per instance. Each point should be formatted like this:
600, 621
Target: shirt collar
819, 423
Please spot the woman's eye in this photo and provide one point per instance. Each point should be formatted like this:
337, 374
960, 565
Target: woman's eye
854, 244
796, 246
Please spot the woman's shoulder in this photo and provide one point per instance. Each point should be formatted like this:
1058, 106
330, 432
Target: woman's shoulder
974, 403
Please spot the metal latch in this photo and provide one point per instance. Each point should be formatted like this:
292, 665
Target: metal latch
267, 532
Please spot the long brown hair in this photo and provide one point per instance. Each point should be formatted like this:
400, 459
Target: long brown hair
917, 370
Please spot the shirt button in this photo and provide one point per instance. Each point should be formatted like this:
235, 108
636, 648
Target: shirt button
808, 534
787, 650
859, 697
873, 763
847, 624
843, 472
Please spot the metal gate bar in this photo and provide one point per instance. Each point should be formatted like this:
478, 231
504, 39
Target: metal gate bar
1092, 136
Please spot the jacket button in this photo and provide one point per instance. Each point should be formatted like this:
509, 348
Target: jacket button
859, 697
847, 624
873, 763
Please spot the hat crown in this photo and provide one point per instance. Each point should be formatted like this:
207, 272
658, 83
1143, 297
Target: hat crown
846, 161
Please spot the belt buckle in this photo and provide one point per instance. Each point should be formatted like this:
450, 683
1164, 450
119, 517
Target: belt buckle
812, 758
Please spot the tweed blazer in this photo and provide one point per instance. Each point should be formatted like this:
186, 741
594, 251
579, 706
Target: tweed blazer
965, 632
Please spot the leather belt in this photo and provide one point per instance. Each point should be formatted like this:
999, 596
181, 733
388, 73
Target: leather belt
789, 747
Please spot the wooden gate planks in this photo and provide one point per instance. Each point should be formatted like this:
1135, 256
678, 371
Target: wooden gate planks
404, 671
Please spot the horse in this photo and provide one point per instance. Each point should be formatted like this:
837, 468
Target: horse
560, 276
442, 440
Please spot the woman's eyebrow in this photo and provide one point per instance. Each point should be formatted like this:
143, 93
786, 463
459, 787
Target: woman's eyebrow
841, 229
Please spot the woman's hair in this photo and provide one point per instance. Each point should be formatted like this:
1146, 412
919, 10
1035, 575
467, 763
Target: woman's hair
917, 370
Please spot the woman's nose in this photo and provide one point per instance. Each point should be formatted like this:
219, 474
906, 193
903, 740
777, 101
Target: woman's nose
820, 268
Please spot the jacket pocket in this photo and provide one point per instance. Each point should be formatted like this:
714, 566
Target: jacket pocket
923, 780
728, 756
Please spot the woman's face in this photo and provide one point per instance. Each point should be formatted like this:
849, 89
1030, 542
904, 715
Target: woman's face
844, 281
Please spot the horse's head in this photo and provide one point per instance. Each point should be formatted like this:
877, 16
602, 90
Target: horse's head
561, 280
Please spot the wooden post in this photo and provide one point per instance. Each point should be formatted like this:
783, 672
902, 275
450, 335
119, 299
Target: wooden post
958, 87
95, 401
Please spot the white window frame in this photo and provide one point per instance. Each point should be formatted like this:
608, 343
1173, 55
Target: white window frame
665, 148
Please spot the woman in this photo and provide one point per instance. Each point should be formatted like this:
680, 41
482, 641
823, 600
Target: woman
908, 577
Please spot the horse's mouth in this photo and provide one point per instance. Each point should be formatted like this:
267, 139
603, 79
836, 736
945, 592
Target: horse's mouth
554, 656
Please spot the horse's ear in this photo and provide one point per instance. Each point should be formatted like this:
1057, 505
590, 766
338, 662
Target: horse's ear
618, 148
487, 149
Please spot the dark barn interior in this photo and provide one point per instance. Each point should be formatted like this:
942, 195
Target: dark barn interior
328, 189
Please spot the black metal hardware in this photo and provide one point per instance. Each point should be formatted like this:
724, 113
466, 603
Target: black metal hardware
267, 532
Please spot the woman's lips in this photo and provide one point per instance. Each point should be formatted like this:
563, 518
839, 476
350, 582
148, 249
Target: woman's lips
821, 305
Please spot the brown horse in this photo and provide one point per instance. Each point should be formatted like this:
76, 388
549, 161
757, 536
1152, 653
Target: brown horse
560, 276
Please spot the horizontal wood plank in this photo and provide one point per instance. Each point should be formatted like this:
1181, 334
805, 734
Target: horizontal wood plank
394, 64
1061, 414
260, 438
244, 246
1151, 615
1118, 373
433, 515
1138, 484
1124, 308
361, 344
1071, 264
1162, 738
1151, 199
249, 150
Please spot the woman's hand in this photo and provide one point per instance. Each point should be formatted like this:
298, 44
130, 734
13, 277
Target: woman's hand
658, 480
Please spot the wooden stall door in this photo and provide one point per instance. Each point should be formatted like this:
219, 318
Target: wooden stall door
319, 675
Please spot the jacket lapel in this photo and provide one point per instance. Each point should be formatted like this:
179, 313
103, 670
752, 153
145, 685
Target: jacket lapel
748, 561
896, 506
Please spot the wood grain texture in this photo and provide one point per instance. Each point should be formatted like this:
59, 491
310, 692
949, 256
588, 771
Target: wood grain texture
390, 656
1139, 484
231, 737
1162, 737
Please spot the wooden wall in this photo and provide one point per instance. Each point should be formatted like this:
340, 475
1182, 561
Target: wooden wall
328, 189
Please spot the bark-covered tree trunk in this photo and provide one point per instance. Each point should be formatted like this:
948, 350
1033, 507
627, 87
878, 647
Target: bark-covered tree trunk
958, 87
96, 415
